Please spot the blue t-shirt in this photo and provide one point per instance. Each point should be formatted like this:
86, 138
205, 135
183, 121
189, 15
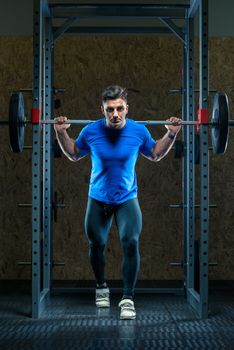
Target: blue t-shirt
114, 153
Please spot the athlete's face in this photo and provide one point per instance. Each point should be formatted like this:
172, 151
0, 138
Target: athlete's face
115, 112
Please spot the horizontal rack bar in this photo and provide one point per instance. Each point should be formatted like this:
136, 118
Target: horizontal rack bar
113, 4
79, 10
108, 30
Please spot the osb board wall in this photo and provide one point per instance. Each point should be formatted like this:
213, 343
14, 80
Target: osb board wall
148, 67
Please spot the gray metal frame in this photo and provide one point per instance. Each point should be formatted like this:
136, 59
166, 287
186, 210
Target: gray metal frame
47, 155
198, 299
189, 159
184, 161
39, 293
204, 161
46, 31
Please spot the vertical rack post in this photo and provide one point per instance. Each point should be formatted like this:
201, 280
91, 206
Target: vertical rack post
184, 161
198, 298
36, 159
190, 177
39, 290
47, 155
204, 157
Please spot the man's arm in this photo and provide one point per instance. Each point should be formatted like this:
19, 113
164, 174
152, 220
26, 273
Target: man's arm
66, 143
163, 145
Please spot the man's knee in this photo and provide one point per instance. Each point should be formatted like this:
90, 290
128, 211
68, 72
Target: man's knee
130, 245
96, 247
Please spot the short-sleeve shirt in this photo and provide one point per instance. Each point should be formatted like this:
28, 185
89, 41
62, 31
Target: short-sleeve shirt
113, 154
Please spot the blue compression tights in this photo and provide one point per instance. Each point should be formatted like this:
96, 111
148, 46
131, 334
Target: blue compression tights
98, 222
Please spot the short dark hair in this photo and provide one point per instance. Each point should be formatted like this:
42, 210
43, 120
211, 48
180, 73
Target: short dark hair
113, 92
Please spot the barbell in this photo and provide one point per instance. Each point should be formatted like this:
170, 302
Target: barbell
220, 122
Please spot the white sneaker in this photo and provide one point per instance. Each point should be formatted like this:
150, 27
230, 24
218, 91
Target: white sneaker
103, 297
127, 311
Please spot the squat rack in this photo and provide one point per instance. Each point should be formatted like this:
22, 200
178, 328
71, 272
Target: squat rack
46, 30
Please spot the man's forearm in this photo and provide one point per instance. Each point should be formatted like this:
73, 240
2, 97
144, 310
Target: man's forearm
67, 144
163, 145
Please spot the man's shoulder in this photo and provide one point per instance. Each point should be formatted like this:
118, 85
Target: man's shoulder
136, 125
93, 125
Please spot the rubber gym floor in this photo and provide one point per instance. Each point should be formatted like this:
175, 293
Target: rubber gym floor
71, 321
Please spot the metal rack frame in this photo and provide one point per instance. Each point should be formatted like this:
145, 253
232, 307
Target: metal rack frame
46, 31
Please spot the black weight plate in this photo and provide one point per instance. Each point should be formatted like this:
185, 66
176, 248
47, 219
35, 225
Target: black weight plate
220, 118
16, 119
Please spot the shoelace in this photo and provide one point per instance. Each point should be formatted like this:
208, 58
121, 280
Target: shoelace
128, 306
102, 295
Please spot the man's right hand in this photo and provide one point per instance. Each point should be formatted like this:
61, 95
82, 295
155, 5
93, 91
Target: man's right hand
59, 125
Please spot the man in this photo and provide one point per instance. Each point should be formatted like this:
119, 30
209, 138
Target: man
114, 143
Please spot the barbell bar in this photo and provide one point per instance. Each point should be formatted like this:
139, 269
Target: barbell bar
144, 122
220, 122
24, 122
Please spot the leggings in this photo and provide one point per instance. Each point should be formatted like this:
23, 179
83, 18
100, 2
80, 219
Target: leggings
98, 222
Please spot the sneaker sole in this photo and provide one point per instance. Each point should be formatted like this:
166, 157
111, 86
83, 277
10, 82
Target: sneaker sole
103, 306
127, 317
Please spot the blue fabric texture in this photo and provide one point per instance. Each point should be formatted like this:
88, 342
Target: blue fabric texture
113, 154
128, 218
